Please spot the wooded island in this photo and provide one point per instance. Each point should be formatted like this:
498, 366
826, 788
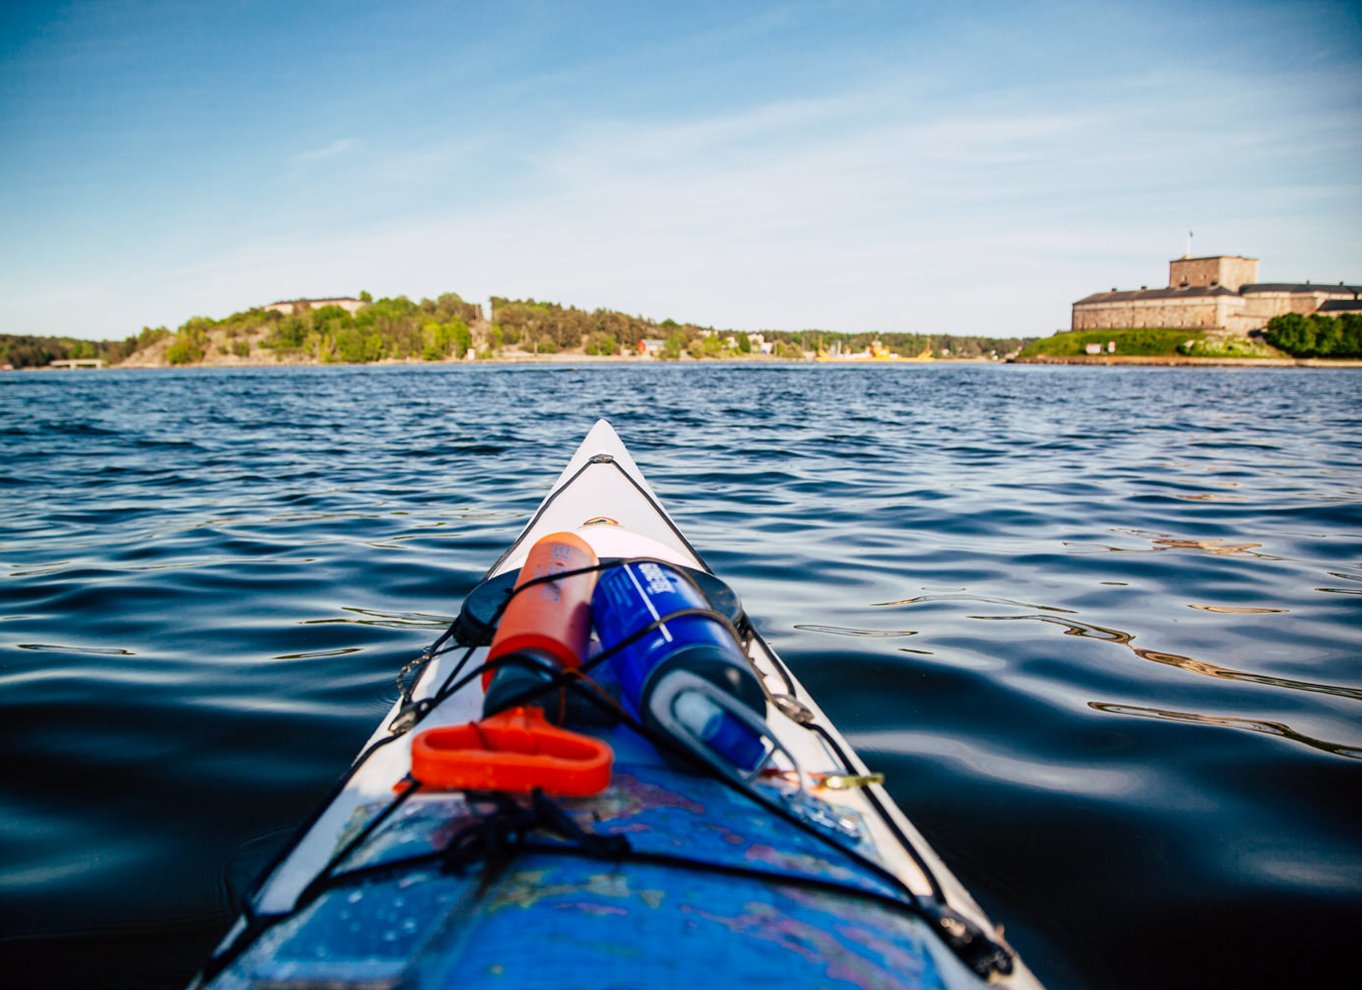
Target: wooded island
447, 328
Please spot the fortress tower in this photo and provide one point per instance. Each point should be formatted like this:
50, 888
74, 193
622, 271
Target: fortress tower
1228, 270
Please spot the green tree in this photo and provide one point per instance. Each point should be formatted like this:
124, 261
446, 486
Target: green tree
1292, 333
189, 347
373, 347
673, 346
151, 335
1328, 336
459, 336
602, 344
1350, 325
288, 333
350, 345
431, 345
441, 341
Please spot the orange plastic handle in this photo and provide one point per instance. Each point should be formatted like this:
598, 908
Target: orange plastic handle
516, 750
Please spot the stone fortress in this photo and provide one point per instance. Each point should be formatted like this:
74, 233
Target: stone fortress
1219, 293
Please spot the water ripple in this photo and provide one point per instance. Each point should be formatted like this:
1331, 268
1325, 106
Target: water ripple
1230, 722
971, 598
110, 651
1191, 664
211, 578
862, 633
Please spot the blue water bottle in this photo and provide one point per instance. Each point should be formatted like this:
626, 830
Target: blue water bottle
688, 678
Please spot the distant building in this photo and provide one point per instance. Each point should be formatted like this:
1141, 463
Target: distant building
650, 347
1222, 292
288, 306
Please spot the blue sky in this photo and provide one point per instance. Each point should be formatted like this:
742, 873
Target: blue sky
903, 166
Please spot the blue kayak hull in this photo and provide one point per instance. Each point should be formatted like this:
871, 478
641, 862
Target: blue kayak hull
765, 911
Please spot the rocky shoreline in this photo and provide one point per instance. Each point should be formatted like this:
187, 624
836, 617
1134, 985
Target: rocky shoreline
1178, 360
220, 360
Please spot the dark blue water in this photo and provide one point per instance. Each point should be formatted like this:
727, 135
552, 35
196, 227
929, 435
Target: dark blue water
1100, 627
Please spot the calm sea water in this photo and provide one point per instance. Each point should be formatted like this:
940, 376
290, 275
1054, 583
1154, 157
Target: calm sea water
1100, 627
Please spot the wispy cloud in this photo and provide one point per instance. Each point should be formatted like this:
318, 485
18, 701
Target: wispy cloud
304, 161
872, 210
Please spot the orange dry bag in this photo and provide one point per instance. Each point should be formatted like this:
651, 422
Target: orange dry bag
545, 627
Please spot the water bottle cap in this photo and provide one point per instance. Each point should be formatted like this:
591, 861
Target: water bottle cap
708, 720
723, 667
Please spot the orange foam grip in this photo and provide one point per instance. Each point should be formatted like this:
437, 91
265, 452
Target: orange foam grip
517, 751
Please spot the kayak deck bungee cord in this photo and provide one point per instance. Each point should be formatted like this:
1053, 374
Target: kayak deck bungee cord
602, 775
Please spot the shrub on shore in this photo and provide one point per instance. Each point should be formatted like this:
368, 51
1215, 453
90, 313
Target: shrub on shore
1316, 336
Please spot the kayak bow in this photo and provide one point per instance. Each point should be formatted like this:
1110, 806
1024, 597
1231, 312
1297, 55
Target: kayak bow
625, 847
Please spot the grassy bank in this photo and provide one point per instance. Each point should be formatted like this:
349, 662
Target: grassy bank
1146, 342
